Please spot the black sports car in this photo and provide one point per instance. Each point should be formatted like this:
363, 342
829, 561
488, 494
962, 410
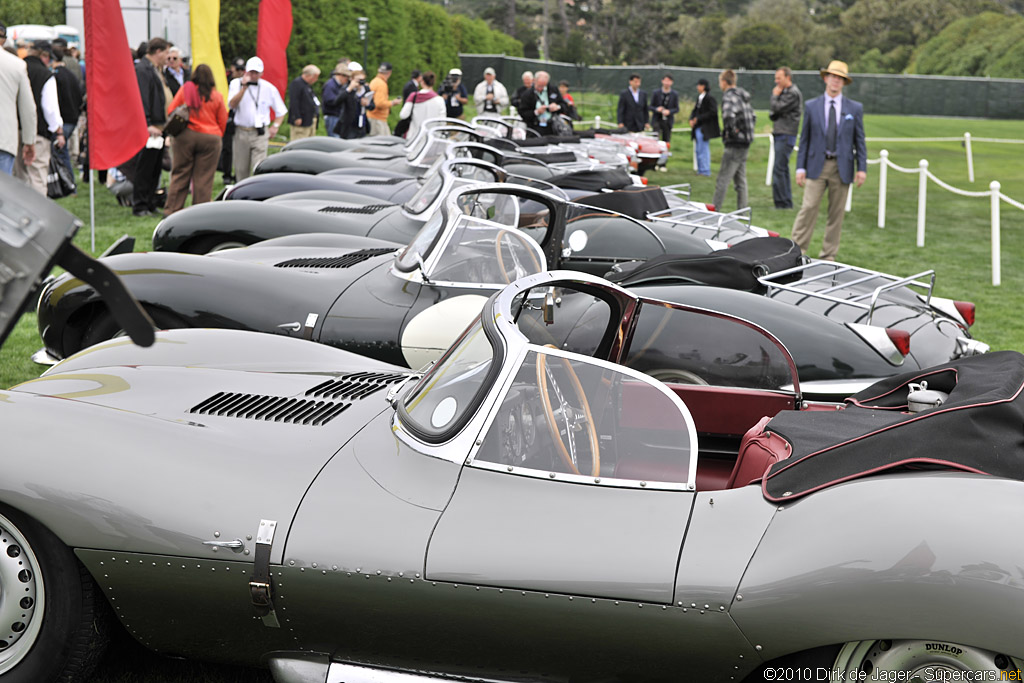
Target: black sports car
406, 307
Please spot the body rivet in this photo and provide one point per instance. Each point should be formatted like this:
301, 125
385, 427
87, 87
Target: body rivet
216, 534
757, 647
738, 597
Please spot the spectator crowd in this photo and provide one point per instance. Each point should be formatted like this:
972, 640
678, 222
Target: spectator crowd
195, 130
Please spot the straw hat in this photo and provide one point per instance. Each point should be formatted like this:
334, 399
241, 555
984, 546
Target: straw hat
837, 68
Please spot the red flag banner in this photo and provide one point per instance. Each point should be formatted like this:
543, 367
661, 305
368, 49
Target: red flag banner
272, 36
116, 121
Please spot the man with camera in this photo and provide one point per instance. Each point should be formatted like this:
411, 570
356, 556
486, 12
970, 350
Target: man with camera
454, 93
382, 101
354, 100
540, 104
252, 99
490, 96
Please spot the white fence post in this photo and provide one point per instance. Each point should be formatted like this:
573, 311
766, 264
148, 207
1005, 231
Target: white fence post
970, 157
996, 260
849, 198
597, 122
922, 200
883, 176
771, 159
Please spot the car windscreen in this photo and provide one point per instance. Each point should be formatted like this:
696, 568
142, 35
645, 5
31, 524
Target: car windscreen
481, 252
445, 398
428, 192
418, 250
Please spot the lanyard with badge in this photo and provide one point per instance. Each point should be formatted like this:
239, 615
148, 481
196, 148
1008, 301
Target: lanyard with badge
260, 130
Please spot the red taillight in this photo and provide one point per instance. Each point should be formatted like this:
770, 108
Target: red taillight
965, 309
772, 233
711, 207
900, 339
643, 179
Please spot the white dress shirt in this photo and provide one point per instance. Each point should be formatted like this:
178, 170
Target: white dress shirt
51, 107
253, 109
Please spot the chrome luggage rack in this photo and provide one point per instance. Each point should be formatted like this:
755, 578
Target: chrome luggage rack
692, 218
830, 277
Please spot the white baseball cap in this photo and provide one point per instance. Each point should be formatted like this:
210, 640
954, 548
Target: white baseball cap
254, 64
355, 66
456, 72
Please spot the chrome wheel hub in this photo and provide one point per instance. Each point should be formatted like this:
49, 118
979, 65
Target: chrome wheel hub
21, 596
920, 661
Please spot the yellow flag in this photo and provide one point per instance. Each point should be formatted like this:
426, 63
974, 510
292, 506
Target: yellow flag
205, 19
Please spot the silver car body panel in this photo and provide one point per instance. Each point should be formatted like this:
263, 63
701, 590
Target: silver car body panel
907, 547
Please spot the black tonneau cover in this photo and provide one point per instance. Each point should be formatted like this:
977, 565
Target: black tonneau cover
736, 268
595, 180
635, 201
980, 428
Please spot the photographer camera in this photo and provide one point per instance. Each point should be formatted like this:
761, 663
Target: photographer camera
454, 93
252, 99
355, 100
490, 96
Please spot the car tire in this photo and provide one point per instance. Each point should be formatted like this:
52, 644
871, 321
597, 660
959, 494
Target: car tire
104, 327
211, 243
59, 626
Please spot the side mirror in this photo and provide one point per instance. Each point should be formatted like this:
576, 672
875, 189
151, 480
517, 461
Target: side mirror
549, 307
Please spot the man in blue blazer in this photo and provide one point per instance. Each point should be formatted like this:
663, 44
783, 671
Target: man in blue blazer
831, 142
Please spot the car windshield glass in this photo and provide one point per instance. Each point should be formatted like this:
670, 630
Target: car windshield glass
510, 209
420, 247
481, 252
696, 347
574, 320
574, 416
427, 193
610, 235
438, 142
446, 395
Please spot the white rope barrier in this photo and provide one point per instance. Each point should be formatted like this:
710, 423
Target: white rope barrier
922, 199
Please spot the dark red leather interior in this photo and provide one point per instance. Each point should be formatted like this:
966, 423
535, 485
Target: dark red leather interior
759, 450
728, 410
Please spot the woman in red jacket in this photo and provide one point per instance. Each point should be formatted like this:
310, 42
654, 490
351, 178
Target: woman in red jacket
197, 148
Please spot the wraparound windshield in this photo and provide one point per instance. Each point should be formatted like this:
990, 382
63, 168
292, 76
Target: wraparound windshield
420, 247
480, 252
446, 397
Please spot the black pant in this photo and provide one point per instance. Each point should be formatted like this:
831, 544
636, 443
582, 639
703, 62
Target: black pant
147, 179
663, 127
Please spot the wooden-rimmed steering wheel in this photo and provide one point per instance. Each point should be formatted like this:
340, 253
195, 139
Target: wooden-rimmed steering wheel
564, 420
517, 265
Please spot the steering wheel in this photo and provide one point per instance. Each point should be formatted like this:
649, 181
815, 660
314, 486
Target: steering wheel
564, 420
518, 270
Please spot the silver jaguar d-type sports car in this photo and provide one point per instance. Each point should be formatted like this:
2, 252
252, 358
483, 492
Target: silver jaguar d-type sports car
535, 507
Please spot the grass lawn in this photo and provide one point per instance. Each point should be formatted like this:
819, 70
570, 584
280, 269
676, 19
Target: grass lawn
957, 247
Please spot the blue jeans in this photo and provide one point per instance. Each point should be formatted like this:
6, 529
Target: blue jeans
703, 153
329, 123
782, 191
7, 161
64, 155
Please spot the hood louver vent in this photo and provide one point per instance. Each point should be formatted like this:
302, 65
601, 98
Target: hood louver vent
345, 261
381, 181
355, 386
368, 209
270, 408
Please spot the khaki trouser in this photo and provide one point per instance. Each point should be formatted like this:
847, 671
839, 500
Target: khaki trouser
195, 161
814, 190
299, 132
35, 173
379, 127
248, 150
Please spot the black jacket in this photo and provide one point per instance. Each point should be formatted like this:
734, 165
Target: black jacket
301, 103
38, 74
528, 107
669, 100
706, 114
151, 87
69, 95
172, 82
630, 113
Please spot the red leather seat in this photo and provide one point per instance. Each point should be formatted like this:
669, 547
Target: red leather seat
759, 450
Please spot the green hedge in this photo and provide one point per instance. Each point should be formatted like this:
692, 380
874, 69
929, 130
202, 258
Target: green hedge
410, 34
